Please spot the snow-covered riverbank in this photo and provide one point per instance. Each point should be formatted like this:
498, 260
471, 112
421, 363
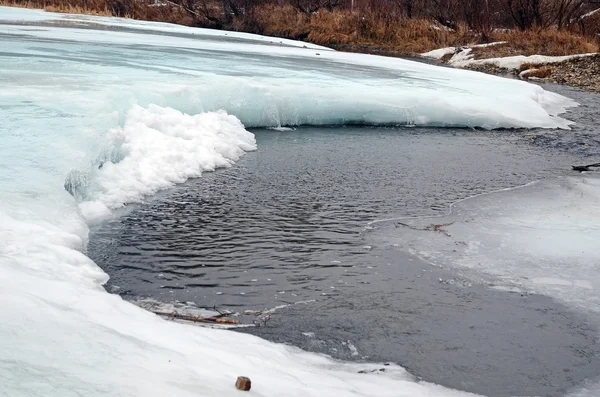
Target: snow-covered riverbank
579, 70
116, 110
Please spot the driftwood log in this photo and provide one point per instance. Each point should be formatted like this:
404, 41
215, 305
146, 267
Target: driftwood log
197, 319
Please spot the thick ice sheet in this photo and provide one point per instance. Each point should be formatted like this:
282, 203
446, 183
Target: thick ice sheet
273, 85
541, 238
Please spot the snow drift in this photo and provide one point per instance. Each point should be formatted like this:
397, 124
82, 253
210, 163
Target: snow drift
156, 148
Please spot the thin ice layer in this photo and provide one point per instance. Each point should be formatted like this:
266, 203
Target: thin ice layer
263, 84
541, 238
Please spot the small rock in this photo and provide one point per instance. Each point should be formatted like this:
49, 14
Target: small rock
243, 383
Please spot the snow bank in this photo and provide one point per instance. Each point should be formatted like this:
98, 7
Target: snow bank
464, 58
515, 62
441, 52
157, 148
542, 237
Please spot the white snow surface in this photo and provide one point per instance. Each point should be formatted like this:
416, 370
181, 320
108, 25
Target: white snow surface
115, 115
159, 148
464, 58
16, 14
440, 52
515, 62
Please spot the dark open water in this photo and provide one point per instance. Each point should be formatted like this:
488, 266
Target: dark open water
286, 227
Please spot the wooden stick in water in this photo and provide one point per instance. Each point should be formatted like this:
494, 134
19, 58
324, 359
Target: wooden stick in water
582, 168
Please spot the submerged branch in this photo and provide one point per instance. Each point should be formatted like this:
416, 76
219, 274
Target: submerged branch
582, 168
197, 319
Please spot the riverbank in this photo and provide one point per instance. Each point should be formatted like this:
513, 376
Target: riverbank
577, 70
513, 52
580, 72
380, 31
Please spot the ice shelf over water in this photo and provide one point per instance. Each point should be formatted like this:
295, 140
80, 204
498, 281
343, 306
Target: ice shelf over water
100, 112
266, 84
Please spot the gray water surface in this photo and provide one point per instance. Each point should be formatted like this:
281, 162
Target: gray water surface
287, 227
291, 216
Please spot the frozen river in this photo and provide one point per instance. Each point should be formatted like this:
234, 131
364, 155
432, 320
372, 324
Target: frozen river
105, 119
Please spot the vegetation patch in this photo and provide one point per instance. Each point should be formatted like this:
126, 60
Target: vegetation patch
547, 27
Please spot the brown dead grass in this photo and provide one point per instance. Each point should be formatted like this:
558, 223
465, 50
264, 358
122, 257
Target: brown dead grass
69, 9
369, 31
62, 7
526, 66
278, 21
540, 73
113, 8
364, 29
538, 41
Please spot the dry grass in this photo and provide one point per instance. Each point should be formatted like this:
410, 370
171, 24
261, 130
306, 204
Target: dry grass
526, 66
61, 7
538, 41
113, 8
362, 30
75, 9
370, 29
365, 31
413, 35
280, 21
539, 72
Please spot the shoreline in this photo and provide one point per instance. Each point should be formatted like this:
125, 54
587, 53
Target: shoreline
581, 72
365, 323
575, 70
